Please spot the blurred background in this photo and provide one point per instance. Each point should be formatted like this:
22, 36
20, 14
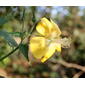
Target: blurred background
71, 21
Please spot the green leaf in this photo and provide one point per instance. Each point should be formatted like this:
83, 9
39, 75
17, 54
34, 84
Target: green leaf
24, 49
8, 38
3, 20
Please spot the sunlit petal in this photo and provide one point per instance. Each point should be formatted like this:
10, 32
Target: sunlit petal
58, 47
55, 28
37, 46
50, 51
44, 27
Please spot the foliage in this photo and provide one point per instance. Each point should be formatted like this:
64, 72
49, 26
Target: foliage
16, 27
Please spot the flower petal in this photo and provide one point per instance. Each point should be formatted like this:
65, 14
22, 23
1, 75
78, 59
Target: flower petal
37, 47
51, 50
44, 27
58, 47
56, 28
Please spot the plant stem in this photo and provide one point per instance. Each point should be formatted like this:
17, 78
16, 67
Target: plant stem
23, 17
9, 53
21, 38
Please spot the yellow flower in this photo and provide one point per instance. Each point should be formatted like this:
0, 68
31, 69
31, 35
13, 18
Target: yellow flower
46, 42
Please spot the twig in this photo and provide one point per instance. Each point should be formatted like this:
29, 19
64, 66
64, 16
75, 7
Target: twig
77, 75
33, 14
9, 53
70, 65
21, 38
33, 20
22, 19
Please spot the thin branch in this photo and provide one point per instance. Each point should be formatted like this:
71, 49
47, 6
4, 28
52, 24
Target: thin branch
70, 65
33, 20
23, 17
77, 75
33, 14
9, 53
